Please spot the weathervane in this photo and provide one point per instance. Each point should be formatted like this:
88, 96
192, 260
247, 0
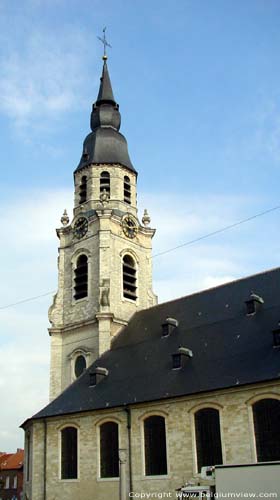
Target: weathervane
105, 43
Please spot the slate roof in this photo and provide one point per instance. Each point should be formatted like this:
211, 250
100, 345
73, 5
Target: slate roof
229, 348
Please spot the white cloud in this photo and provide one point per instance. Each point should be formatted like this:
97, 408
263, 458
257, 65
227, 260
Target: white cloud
44, 78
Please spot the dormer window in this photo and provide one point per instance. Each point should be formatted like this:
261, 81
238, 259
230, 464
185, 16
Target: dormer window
176, 361
83, 190
253, 304
179, 359
276, 338
129, 278
105, 183
98, 374
168, 326
127, 190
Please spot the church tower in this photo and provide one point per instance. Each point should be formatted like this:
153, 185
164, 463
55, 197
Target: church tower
104, 263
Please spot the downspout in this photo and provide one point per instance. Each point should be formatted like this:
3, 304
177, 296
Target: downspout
45, 460
128, 424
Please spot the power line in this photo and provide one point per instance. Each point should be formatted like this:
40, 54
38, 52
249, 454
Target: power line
27, 300
213, 233
187, 243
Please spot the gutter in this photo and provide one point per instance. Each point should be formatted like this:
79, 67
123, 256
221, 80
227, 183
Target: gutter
45, 461
128, 420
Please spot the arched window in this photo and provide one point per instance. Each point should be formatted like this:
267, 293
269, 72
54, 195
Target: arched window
208, 438
83, 190
81, 278
127, 189
109, 450
155, 446
105, 182
129, 278
266, 413
80, 365
69, 453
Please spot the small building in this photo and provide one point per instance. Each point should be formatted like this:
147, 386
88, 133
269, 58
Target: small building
11, 475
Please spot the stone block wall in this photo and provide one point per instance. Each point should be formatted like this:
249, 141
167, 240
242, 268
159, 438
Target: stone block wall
237, 435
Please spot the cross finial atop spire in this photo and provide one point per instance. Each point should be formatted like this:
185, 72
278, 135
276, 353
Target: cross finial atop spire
105, 44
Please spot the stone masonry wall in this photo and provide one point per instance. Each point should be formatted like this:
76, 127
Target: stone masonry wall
236, 431
117, 174
85, 322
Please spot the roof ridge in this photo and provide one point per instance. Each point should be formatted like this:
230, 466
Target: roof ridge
205, 290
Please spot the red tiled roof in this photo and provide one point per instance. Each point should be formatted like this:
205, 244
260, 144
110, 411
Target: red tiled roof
4, 457
12, 461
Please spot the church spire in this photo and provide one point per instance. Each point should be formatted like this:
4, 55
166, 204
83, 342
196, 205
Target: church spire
105, 144
105, 94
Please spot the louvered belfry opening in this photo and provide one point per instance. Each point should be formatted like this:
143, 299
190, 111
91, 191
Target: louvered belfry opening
109, 450
266, 423
105, 182
69, 455
83, 190
208, 438
129, 278
81, 278
155, 446
127, 190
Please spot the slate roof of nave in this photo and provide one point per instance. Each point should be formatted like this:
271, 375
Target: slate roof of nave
230, 348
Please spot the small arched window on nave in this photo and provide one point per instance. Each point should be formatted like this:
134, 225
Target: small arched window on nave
208, 438
109, 450
155, 446
69, 453
266, 414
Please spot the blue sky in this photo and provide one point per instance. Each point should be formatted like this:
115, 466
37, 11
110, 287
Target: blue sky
198, 83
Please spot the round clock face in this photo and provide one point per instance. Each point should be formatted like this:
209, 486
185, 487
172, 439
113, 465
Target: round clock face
130, 226
80, 227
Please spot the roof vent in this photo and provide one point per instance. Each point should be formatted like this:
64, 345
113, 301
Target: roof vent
97, 375
168, 326
180, 358
253, 304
